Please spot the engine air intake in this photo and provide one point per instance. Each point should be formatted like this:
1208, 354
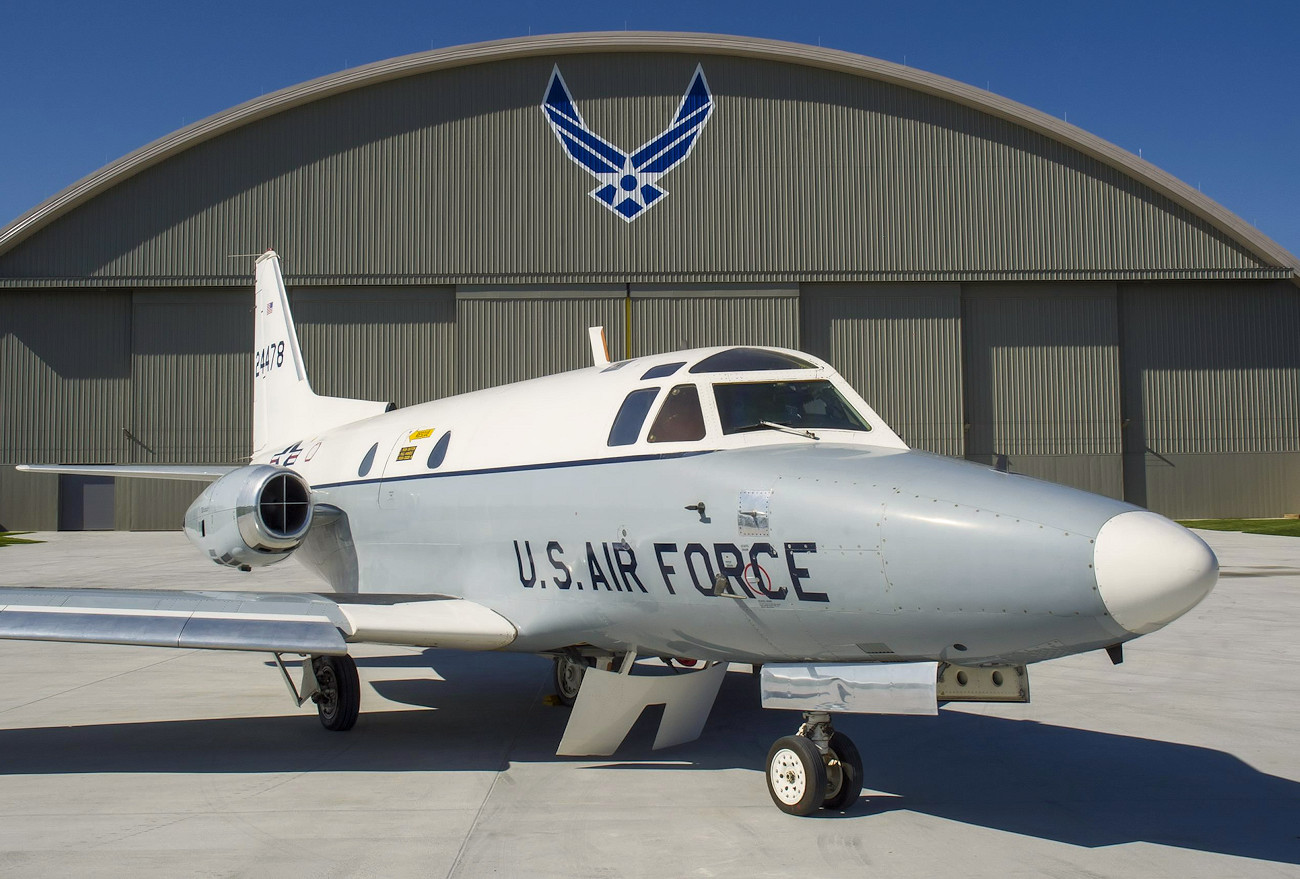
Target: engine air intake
284, 505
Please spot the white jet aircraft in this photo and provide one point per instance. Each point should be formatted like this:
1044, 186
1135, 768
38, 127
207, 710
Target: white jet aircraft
717, 505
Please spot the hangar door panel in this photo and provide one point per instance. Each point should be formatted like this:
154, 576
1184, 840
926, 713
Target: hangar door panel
671, 318
1212, 378
65, 366
191, 377
899, 345
154, 504
508, 334
1042, 381
379, 343
28, 501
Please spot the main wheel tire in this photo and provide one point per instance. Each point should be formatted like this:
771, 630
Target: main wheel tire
568, 677
844, 774
339, 699
796, 776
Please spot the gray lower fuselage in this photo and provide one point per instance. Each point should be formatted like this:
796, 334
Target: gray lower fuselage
864, 554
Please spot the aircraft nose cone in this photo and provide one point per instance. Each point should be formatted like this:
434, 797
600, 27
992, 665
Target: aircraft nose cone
1151, 570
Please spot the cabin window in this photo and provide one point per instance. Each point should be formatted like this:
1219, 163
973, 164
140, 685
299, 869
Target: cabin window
663, 370
438, 453
805, 405
680, 418
368, 461
631, 415
750, 360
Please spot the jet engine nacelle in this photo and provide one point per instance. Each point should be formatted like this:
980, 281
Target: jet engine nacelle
253, 516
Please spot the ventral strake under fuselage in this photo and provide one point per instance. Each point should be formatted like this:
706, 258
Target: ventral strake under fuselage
688, 510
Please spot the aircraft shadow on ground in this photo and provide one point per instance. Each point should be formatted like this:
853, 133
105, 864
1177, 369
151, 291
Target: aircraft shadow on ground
1074, 786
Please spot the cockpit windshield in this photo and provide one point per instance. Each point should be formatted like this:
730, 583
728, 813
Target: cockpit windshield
799, 404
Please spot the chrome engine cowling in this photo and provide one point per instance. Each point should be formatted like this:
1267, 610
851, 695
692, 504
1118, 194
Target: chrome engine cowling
251, 517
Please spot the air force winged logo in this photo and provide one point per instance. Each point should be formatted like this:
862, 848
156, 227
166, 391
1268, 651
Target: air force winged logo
628, 181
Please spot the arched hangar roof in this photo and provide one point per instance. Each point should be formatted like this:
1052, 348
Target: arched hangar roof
967, 208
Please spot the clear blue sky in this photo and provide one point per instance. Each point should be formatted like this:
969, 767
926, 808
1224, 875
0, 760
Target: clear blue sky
1209, 92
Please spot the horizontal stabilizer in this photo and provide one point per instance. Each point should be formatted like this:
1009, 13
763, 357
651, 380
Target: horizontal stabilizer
191, 472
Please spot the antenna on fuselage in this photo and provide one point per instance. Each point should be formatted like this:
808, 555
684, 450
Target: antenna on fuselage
599, 348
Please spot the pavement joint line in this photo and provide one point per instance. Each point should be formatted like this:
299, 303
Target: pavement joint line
98, 681
216, 810
319, 766
155, 825
478, 813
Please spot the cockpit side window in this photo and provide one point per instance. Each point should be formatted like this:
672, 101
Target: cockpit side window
663, 370
631, 415
805, 405
680, 418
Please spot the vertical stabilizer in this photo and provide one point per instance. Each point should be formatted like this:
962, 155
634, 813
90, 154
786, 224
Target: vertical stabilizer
285, 408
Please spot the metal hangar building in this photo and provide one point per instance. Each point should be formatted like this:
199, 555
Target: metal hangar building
994, 281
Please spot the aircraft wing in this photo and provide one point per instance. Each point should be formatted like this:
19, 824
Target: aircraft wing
255, 621
195, 472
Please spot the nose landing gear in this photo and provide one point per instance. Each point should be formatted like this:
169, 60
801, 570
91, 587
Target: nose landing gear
816, 768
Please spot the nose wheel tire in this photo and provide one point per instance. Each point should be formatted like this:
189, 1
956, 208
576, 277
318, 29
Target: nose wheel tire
568, 677
796, 776
339, 700
843, 773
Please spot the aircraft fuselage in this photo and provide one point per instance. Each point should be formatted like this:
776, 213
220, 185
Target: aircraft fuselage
865, 554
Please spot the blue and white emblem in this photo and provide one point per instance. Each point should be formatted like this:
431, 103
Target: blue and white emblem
628, 182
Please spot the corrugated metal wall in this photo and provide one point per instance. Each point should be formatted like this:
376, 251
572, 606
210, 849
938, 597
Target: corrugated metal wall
899, 345
379, 344
684, 316
802, 174
65, 366
191, 380
1042, 380
510, 335
1210, 373
1218, 365
28, 502
1212, 376
1229, 485
153, 504
191, 376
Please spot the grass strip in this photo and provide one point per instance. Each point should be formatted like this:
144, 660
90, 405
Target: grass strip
1275, 527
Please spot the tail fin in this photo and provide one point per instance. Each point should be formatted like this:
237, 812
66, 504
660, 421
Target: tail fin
285, 408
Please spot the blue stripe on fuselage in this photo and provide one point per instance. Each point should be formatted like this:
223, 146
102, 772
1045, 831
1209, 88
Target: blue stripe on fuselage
551, 465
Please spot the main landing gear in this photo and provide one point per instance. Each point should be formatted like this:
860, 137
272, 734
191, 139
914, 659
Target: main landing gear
338, 693
816, 768
332, 683
568, 671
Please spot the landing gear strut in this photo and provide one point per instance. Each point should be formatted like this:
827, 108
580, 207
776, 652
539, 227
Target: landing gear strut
816, 768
